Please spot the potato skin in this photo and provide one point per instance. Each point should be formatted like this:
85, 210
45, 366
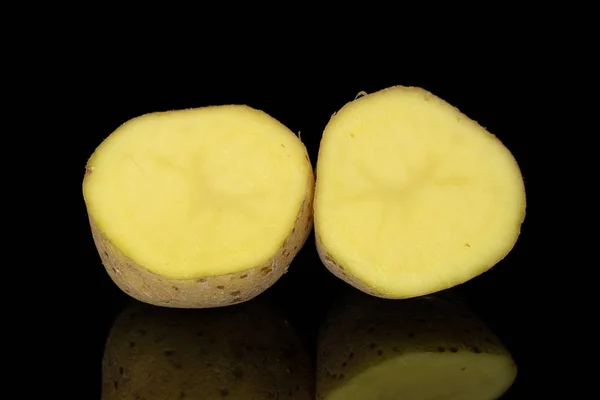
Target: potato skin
210, 291
339, 271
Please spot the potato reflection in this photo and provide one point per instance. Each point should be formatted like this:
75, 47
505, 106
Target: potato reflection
427, 348
247, 351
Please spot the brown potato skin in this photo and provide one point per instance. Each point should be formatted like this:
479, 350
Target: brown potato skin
339, 271
210, 291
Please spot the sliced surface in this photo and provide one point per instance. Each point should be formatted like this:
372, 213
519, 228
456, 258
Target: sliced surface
412, 196
198, 192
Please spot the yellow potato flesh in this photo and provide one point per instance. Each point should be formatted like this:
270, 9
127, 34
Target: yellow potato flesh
432, 376
412, 196
198, 192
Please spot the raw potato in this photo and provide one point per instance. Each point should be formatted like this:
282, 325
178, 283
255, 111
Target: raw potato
199, 208
412, 196
243, 352
417, 349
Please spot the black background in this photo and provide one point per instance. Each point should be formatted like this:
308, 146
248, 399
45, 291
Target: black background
303, 95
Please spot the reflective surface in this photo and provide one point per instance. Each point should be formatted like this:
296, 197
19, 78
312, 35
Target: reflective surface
248, 351
273, 347
431, 347
250, 348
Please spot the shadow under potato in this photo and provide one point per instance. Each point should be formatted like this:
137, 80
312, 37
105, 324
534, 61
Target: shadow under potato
426, 348
247, 351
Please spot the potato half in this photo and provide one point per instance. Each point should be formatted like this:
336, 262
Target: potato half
244, 352
201, 207
420, 349
412, 196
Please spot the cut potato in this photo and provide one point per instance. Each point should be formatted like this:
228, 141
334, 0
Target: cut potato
412, 196
419, 349
199, 208
247, 351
